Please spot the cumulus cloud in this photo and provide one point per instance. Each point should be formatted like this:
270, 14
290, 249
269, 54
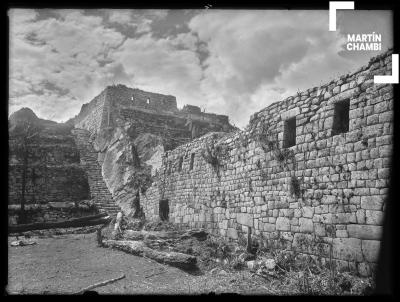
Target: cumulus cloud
231, 62
68, 52
259, 57
163, 65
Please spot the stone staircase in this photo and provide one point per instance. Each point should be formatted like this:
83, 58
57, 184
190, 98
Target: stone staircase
98, 188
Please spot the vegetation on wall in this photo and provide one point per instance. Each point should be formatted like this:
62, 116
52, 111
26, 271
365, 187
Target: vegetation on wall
212, 154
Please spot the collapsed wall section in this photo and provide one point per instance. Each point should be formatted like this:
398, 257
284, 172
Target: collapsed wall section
309, 174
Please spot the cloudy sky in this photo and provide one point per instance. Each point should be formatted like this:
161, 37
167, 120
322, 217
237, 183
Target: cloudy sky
228, 62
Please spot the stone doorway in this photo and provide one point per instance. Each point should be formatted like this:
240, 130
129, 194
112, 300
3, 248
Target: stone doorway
164, 209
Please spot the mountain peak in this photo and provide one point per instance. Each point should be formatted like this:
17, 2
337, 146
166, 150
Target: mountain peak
24, 114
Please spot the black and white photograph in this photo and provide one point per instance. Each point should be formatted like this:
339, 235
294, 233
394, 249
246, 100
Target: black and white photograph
201, 150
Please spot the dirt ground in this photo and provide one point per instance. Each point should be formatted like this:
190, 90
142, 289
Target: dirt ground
65, 264
66, 261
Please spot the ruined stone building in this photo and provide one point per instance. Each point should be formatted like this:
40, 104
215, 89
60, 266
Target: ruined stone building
309, 174
116, 138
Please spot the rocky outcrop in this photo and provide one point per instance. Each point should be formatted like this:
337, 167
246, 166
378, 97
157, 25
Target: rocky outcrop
127, 164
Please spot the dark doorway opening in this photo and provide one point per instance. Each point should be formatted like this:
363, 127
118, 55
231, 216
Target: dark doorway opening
289, 133
341, 117
164, 209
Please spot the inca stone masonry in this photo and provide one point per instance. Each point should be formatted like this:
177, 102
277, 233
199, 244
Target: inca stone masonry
309, 174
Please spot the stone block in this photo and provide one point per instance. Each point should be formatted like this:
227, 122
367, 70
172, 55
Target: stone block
360, 214
370, 249
348, 249
308, 212
245, 219
341, 234
373, 232
329, 199
374, 217
364, 269
269, 227
283, 224
343, 95
319, 229
306, 225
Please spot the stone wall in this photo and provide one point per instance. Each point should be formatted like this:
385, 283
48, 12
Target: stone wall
138, 98
323, 196
50, 212
48, 184
92, 114
174, 130
105, 109
53, 170
129, 126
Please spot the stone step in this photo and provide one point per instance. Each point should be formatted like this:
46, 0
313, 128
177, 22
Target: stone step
88, 158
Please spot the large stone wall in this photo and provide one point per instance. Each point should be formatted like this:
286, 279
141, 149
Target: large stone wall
105, 109
50, 212
173, 129
324, 196
53, 170
92, 114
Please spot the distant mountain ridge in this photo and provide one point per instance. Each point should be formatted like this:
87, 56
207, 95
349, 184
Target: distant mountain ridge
27, 115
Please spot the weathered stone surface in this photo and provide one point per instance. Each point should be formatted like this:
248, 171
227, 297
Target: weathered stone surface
370, 249
53, 170
347, 249
308, 212
372, 202
283, 224
365, 231
374, 217
329, 183
245, 219
306, 225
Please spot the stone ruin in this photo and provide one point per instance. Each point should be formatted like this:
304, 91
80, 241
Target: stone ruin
117, 138
55, 180
309, 174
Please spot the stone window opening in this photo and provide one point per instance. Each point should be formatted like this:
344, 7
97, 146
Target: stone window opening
132, 99
341, 117
164, 209
148, 101
191, 161
180, 164
289, 133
